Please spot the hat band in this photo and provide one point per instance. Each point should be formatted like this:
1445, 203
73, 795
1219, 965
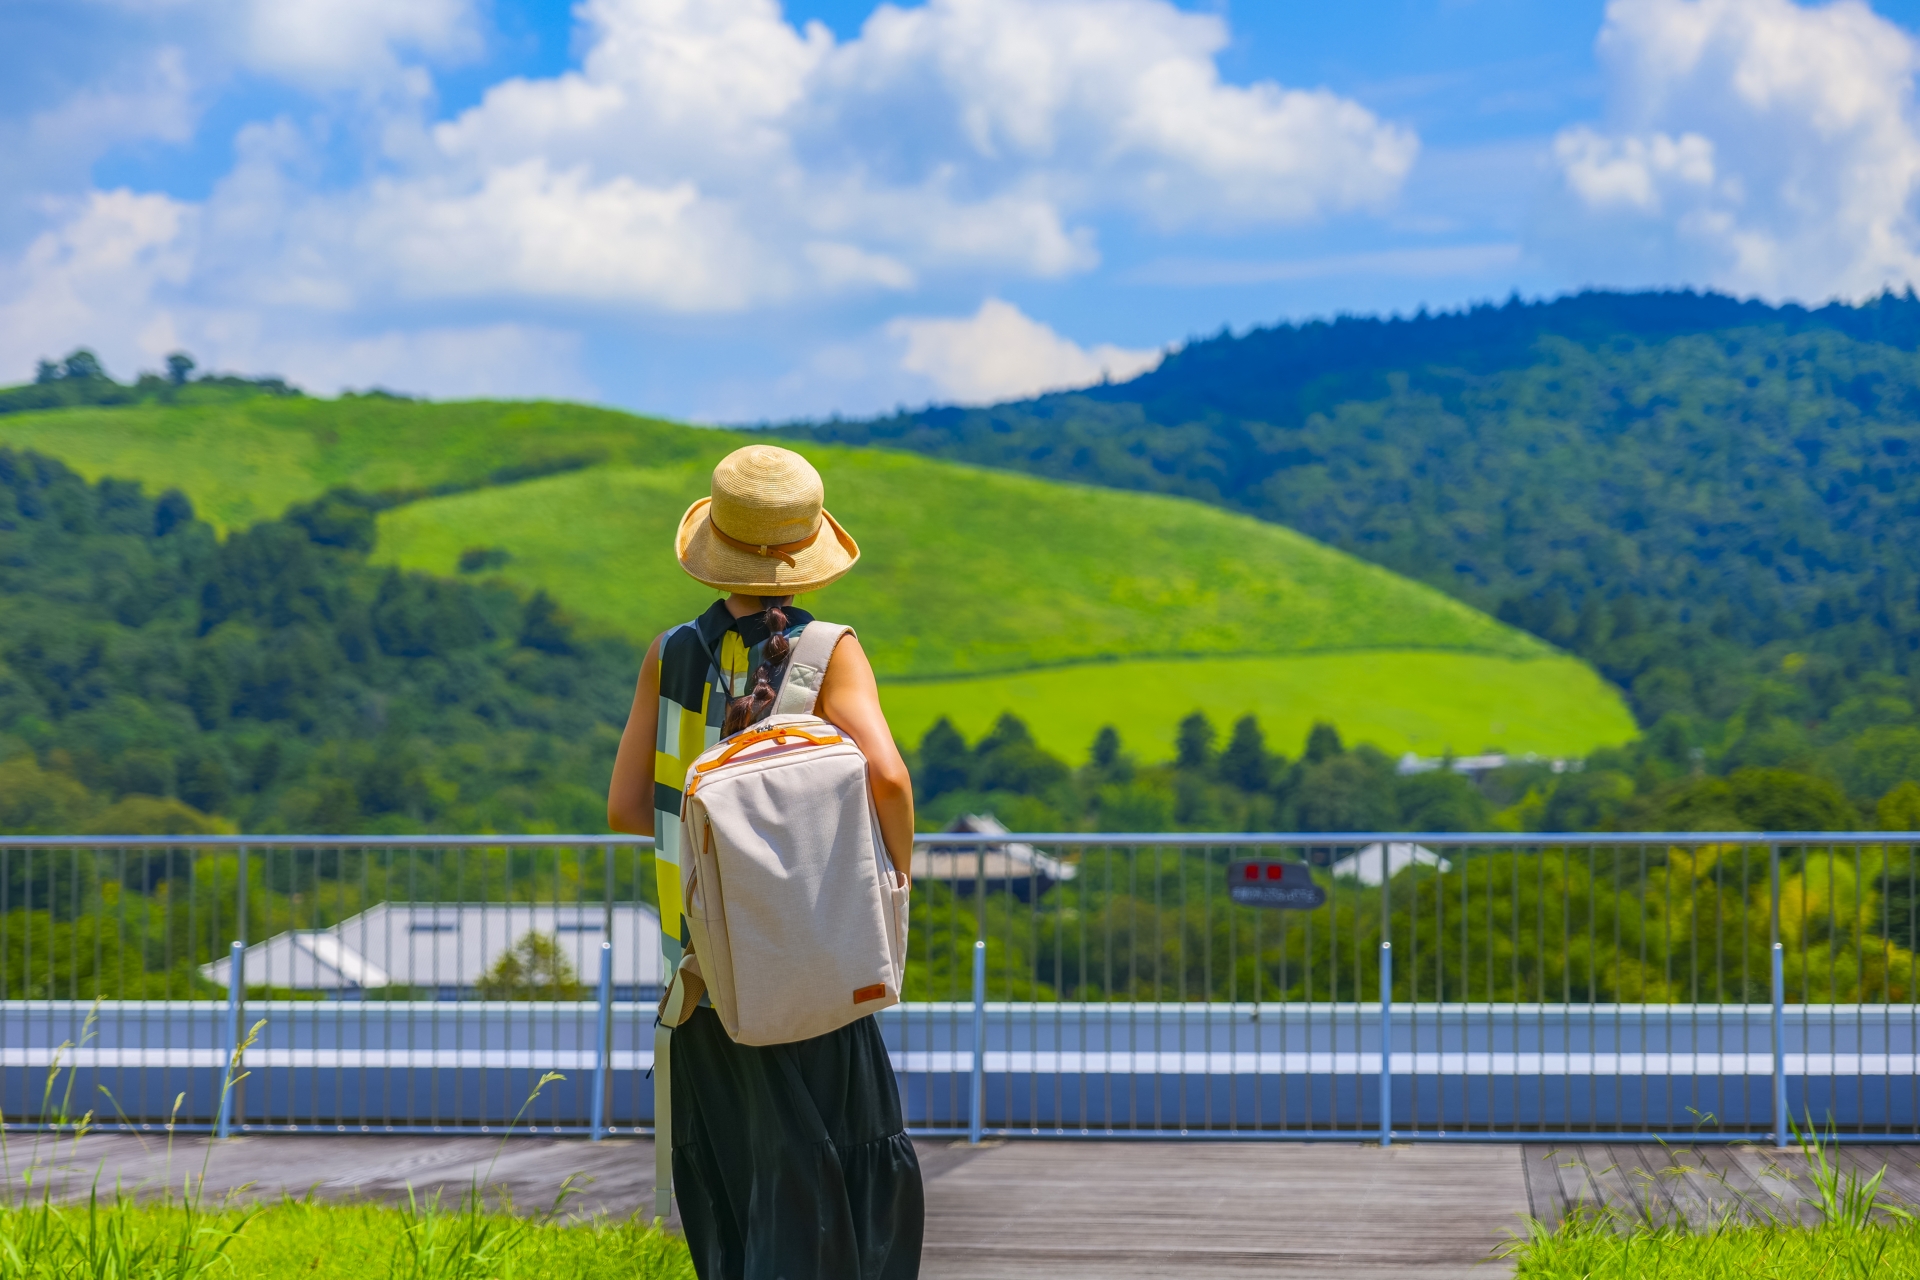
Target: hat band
773, 551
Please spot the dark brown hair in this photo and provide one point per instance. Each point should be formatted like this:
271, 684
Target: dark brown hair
757, 703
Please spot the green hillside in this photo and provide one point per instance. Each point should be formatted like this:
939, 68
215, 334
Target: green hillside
1095, 597
1402, 699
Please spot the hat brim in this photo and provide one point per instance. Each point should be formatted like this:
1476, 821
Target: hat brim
711, 561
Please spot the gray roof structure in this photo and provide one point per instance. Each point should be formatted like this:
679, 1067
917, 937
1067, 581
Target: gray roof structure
450, 946
1017, 868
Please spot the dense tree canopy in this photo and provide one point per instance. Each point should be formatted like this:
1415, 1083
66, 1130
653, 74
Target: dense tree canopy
275, 681
1698, 494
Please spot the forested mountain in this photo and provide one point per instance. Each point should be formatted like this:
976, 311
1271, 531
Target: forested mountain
155, 679
1715, 501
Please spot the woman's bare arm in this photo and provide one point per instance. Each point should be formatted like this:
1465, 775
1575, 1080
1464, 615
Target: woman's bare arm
850, 701
630, 794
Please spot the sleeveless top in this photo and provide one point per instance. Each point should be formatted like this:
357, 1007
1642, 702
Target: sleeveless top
703, 663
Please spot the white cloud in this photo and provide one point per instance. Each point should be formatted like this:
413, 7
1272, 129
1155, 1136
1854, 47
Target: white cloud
722, 158
350, 41
1759, 145
502, 360
98, 282
706, 157
1629, 172
111, 277
1001, 353
529, 232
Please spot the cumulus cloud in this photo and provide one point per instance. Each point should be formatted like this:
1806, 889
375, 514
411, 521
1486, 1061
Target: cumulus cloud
1758, 145
705, 157
111, 278
710, 156
1001, 353
99, 280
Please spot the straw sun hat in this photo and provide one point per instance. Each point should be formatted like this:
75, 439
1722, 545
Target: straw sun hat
764, 531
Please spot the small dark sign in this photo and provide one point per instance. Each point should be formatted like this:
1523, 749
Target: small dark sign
1269, 882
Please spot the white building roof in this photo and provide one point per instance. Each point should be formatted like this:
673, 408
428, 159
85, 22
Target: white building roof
1367, 862
1003, 862
443, 945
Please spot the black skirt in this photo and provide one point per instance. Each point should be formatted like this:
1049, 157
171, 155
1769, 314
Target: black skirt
791, 1161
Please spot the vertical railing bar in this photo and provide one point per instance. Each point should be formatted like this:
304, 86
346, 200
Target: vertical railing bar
1780, 1117
1641, 1042
980, 989
236, 962
1159, 974
1540, 981
602, 1091
1593, 997
1886, 992
441, 1112
1777, 960
1413, 965
602, 1063
1386, 1038
1286, 1005
1859, 1000
1746, 977
1258, 1030
1059, 989
385, 1085
1719, 992
976, 1093
242, 934
1233, 989
1133, 986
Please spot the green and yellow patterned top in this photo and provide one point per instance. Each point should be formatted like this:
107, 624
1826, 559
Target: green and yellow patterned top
703, 663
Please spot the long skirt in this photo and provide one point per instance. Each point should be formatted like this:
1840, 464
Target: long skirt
791, 1161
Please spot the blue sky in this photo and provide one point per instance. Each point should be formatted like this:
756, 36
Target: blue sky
728, 210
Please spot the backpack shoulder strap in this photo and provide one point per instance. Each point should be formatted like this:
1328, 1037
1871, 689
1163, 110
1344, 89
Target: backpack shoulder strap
807, 667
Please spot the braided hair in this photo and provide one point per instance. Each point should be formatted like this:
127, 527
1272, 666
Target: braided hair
757, 703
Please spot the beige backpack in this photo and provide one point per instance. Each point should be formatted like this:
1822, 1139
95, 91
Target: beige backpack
798, 921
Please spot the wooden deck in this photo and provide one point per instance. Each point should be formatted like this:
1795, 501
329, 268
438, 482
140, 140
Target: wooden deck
1071, 1210
1701, 1185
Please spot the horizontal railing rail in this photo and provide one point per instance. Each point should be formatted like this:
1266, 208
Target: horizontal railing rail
933, 839
1460, 986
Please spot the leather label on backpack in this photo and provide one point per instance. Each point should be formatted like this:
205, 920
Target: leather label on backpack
878, 991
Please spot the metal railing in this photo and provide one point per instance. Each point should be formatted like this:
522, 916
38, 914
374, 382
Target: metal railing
1470, 987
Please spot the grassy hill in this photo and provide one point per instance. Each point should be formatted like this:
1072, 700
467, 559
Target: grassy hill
978, 591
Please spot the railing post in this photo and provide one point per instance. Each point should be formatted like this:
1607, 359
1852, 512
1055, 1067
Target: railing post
236, 964
1780, 1125
240, 896
1779, 1036
1386, 1043
603, 1042
977, 1093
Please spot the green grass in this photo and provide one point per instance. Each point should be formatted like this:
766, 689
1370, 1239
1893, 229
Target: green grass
963, 570
290, 1240
1099, 598
1594, 1250
249, 460
1397, 699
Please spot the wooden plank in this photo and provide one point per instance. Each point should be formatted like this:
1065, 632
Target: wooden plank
1148, 1209
1066, 1210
